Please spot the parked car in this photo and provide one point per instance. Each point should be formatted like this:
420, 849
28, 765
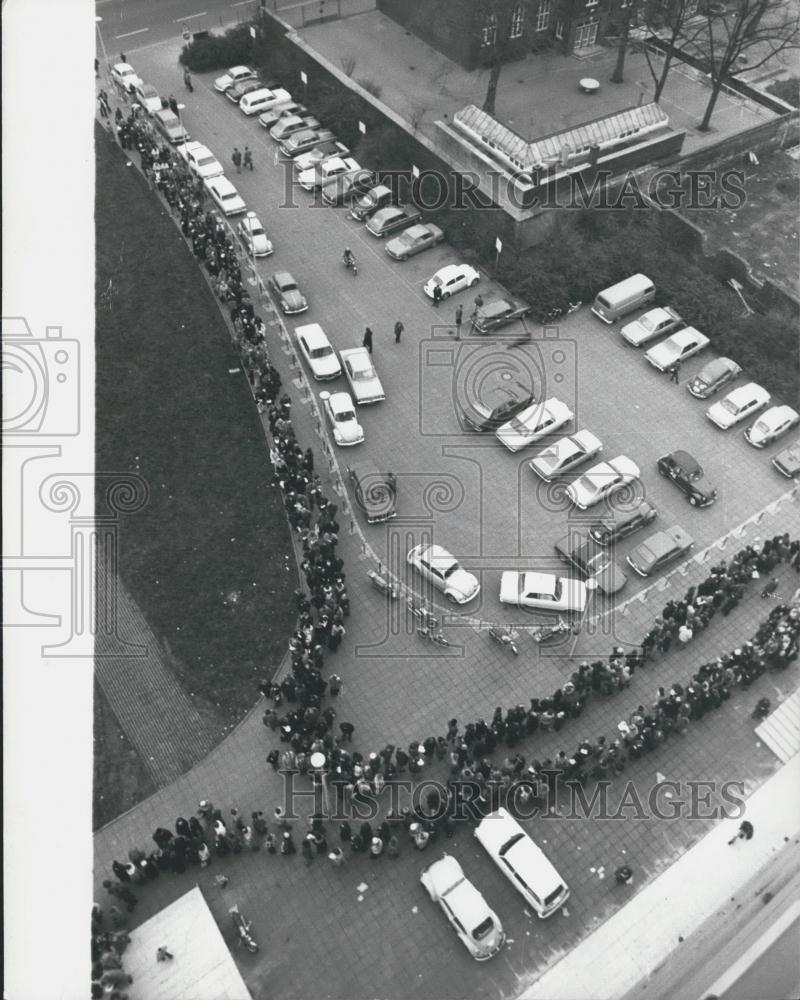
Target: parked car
450, 279
740, 403
565, 455
771, 425
378, 197
529, 589
341, 415
360, 373
523, 862
234, 75
445, 573
290, 298
654, 323
316, 349
345, 187
148, 97
414, 240
480, 416
787, 462
324, 151
289, 110
125, 76
680, 346
225, 195
659, 550
306, 140
591, 559
686, 472
394, 217
375, 491
200, 160
276, 97
496, 312
470, 916
602, 481
613, 529
242, 88
713, 377
534, 423
254, 237
315, 177
285, 127
170, 126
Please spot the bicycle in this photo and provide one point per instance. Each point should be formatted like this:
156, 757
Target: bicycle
421, 613
435, 637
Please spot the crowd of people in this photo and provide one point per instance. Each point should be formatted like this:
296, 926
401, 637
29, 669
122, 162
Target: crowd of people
108, 945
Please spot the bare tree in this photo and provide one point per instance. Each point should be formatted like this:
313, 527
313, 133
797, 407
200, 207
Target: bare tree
675, 23
755, 29
495, 34
630, 17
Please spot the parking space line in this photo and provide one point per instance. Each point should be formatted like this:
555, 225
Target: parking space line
188, 17
128, 34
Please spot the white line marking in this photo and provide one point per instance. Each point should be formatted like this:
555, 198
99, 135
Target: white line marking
128, 34
188, 17
241, 3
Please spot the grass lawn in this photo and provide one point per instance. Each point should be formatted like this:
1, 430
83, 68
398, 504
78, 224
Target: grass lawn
209, 558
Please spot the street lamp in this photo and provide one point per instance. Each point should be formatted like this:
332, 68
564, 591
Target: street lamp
591, 587
102, 43
317, 761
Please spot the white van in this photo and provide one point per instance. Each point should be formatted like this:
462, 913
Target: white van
618, 300
523, 863
262, 100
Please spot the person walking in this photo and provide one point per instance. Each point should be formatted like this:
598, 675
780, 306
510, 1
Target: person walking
187, 81
398, 331
459, 316
347, 729
745, 832
97, 67
236, 156
163, 954
674, 373
367, 341
248, 158
337, 858
437, 294
173, 104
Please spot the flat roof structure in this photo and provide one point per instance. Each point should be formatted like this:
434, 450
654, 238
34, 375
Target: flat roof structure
202, 966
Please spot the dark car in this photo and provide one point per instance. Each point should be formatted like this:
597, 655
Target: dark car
614, 529
495, 313
685, 471
393, 217
659, 550
713, 377
787, 462
591, 559
487, 415
289, 296
375, 491
238, 90
348, 186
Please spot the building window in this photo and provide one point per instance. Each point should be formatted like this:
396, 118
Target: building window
517, 18
489, 32
543, 15
586, 35
559, 30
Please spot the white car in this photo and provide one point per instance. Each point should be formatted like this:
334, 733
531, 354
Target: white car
254, 237
445, 573
361, 374
325, 151
148, 97
523, 862
236, 74
529, 589
601, 481
225, 195
201, 160
565, 455
738, 405
276, 98
469, 914
287, 126
774, 422
451, 279
321, 173
316, 349
654, 323
125, 76
533, 423
680, 346
341, 414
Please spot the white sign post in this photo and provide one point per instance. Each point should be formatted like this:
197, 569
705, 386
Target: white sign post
362, 128
498, 245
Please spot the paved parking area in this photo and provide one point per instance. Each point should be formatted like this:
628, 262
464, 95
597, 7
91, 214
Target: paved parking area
317, 937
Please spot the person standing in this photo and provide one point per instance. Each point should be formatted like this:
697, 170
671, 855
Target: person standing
459, 316
398, 331
248, 158
236, 156
97, 67
163, 954
187, 81
367, 341
173, 104
437, 294
674, 373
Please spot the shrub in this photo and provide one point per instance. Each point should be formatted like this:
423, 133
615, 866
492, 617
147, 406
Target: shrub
786, 90
218, 51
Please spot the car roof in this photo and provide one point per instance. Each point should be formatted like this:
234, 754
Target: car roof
415, 232
356, 354
497, 828
540, 583
282, 277
750, 389
624, 465
658, 544
686, 334
340, 400
716, 367
437, 555
496, 307
687, 462
779, 412
362, 470
313, 334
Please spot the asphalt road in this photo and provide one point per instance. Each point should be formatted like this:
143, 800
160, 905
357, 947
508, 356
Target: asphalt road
129, 25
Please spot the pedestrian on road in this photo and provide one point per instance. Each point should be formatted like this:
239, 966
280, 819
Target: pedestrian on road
347, 729
367, 341
745, 832
163, 955
97, 67
237, 159
337, 858
187, 81
459, 315
123, 57
437, 295
173, 104
674, 373
624, 875
335, 685
398, 331
248, 158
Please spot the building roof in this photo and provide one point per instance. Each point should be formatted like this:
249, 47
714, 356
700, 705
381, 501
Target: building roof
601, 132
202, 965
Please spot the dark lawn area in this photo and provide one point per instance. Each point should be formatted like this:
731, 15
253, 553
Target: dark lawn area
209, 558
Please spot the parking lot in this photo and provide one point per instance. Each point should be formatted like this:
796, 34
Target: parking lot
462, 489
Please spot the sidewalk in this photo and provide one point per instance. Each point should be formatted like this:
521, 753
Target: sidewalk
642, 935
